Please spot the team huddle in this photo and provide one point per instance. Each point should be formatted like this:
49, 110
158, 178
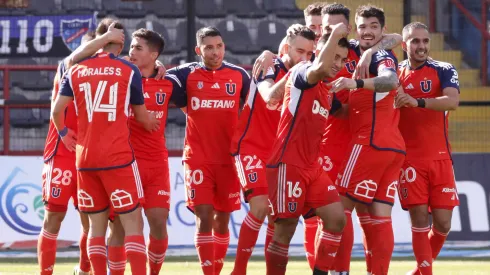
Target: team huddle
323, 127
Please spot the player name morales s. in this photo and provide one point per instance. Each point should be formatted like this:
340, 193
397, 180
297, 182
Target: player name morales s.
99, 71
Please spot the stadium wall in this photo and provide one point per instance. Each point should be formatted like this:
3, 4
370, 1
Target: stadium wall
22, 211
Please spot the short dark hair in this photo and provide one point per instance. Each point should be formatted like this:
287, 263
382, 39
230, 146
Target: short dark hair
412, 26
336, 8
300, 30
342, 42
89, 36
368, 11
104, 25
205, 32
154, 40
314, 9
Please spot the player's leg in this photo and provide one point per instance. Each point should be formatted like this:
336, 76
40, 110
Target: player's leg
199, 185
83, 267
310, 226
365, 222
254, 185
156, 185
115, 242
46, 246
277, 252
419, 217
269, 232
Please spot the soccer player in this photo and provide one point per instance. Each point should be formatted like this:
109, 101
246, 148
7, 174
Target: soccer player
214, 90
298, 184
251, 154
376, 152
59, 173
428, 90
150, 152
103, 86
313, 18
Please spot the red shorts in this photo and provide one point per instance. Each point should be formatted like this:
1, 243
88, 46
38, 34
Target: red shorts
252, 175
370, 175
215, 184
295, 191
331, 157
428, 182
119, 189
59, 183
156, 186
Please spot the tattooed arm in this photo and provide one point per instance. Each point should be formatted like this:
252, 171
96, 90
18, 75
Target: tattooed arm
388, 42
386, 81
276, 92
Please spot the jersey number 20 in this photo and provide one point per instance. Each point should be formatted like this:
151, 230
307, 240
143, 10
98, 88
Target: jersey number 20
95, 104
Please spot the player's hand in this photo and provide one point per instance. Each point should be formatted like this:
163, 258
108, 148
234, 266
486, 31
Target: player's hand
153, 123
70, 140
161, 70
404, 100
362, 68
342, 83
262, 64
340, 30
115, 35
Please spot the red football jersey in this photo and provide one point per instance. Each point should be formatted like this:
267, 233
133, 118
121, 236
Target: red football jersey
213, 101
257, 125
337, 131
103, 86
304, 115
53, 145
149, 147
426, 131
373, 116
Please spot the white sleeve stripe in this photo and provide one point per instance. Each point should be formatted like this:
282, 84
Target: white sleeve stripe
175, 78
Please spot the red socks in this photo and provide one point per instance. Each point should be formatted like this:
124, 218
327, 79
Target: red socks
156, 254
268, 236
221, 242
422, 249
365, 221
437, 240
342, 260
249, 232
136, 253
276, 258
382, 244
205, 250
329, 243
46, 251
84, 262
311, 227
98, 255
117, 260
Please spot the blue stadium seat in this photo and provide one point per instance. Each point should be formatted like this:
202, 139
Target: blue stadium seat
271, 34
45, 113
44, 7
246, 9
207, 9
164, 8
181, 39
160, 28
180, 118
77, 6
283, 8
236, 37
23, 118
123, 9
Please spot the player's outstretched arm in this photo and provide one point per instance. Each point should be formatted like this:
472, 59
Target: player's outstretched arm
319, 70
386, 81
90, 48
65, 96
388, 42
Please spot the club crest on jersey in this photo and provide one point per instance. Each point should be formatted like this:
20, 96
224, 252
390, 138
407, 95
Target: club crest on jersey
292, 206
192, 194
160, 97
252, 177
230, 88
200, 85
351, 66
55, 192
426, 85
73, 30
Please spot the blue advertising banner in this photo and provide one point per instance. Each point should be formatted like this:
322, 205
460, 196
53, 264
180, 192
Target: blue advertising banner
33, 36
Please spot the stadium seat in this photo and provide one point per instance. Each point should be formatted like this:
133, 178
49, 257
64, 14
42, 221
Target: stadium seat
163, 8
181, 118
232, 60
246, 9
123, 9
207, 9
178, 60
181, 39
283, 8
45, 113
271, 34
160, 28
45, 7
77, 6
172, 115
31, 80
23, 118
236, 37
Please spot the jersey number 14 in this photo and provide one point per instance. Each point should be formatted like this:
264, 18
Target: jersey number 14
95, 104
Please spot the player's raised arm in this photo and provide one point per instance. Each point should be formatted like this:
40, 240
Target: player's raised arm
88, 49
325, 60
388, 42
65, 96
